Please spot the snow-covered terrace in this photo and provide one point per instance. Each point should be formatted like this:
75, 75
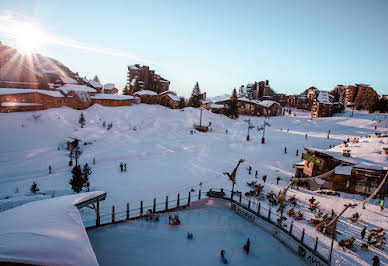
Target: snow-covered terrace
367, 153
48, 232
110, 96
74, 87
146, 92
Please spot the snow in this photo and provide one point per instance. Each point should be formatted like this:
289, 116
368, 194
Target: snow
267, 103
146, 92
109, 86
45, 232
217, 106
10, 91
68, 80
110, 96
173, 97
133, 81
165, 159
73, 87
18, 104
95, 84
133, 67
214, 227
343, 170
33, 71
324, 97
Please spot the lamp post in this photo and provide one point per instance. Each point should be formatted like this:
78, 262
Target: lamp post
249, 127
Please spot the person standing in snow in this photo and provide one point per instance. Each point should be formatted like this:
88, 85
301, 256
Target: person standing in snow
121, 166
264, 178
223, 259
277, 180
376, 261
381, 204
285, 150
305, 136
125, 167
247, 246
50, 169
363, 232
256, 173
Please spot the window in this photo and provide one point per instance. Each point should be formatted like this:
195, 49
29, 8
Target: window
23, 100
7, 99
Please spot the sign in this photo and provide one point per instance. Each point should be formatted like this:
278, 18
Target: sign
243, 213
308, 257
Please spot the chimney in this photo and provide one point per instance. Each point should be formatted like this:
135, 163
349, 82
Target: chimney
267, 82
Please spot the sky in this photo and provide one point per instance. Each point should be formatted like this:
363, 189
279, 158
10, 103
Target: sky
221, 44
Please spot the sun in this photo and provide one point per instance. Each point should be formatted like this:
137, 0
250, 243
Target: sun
28, 37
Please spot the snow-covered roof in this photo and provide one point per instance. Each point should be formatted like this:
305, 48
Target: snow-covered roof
243, 99
47, 232
10, 91
73, 87
110, 96
133, 81
173, 97
146, 92
95, 84
217, 106
109, 86
19, 104
364, 154
267, 103
324, 97
68, 80
343, 170
166, 92
133, 67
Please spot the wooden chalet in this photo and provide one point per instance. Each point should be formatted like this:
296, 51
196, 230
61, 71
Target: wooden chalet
169, 99
344, 173
147, 96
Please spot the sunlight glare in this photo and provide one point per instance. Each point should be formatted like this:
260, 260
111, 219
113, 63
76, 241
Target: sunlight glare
28, 37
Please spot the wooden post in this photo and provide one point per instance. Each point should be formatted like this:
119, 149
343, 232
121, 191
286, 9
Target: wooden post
154, 207
316, 244
188, 201
269, 214
177, 203
141, 208
199, 195
240, 198
127, 211
166, 203
302, 237
98, 221
292, 225
249, 203
331, 250
113, 214
258, 208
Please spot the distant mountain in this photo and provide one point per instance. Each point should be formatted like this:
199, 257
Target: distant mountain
16, 67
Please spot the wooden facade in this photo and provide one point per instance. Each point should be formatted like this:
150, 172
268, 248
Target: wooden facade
355, 179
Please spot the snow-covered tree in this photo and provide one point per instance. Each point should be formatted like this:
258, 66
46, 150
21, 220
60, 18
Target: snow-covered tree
182, 103
86, 172
195, 99
126, 91
82, 120
232, 106
34, 188
96, 79
76, 182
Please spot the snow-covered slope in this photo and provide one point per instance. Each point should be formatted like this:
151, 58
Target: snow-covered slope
163, 158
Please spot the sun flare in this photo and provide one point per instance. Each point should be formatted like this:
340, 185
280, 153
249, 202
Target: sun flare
28, 37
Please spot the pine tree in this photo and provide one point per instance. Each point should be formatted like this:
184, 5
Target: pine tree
82, 120
195, 100
77, 180
126, 91
86, 172
96, 79
34, 188
182, 103
232, 106
136, 87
